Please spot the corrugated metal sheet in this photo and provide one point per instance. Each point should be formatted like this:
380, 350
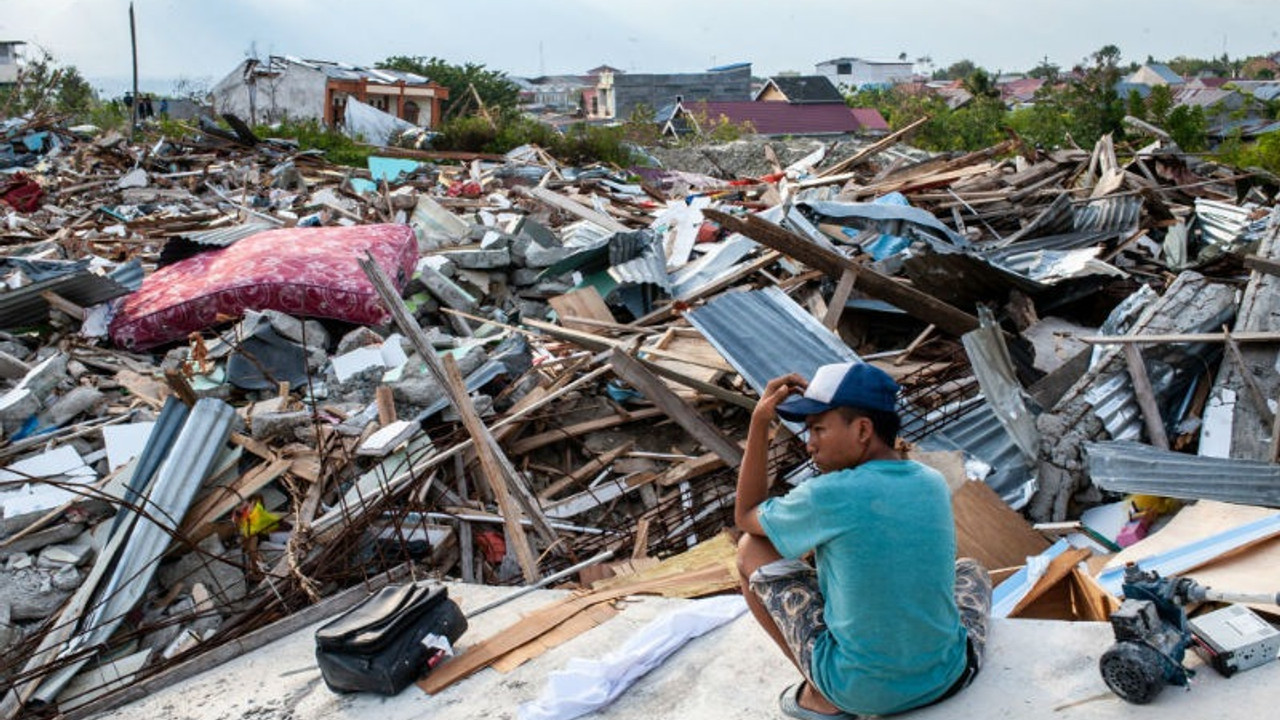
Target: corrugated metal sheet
167, 499
1130, 467
889, 219
129, 274
764, 334
222, 237
981, 435
25, 306
719, 262
1119, 214
1224, 224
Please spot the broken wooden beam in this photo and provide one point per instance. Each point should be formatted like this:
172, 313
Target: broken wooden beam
1146, 397
657, 392
915, 303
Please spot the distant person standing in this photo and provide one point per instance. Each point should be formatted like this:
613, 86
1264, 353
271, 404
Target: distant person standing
164, 108
145, 111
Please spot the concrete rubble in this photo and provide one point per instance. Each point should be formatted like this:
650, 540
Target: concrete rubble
580, 314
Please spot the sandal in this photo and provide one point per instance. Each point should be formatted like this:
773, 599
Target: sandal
789, 702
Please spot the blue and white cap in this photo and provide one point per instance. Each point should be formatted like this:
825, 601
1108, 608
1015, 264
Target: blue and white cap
855, 385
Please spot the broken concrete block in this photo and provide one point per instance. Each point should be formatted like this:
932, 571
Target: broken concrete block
528, 253
59, 556
435, 225
80, 399
65, 579
483, 405
388, 438
45, 376
11, 368
211, 566
494, 240
9, 635
524, 277
307, 333
358, 338
479, 259
281, 424
15, 407
30, 594
58, 533
18, 561
449, 292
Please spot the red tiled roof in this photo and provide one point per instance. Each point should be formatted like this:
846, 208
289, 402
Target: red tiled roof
777, 118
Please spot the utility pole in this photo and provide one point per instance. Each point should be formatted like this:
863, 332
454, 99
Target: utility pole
133, 106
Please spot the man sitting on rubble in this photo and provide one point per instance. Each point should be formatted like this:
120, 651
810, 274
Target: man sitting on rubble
889, 620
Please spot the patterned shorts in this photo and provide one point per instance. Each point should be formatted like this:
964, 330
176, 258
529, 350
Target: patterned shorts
789, 591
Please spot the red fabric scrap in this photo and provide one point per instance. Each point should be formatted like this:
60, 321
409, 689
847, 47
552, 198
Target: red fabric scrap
21, 192
492, 546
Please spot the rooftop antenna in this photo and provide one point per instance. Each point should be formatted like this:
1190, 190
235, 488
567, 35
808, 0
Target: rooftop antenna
542, 61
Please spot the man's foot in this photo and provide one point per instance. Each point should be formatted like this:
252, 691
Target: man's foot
814, 707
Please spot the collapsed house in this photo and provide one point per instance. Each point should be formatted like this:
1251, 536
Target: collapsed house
243, 383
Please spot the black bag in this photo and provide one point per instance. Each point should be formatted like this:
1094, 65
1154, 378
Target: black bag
376, 646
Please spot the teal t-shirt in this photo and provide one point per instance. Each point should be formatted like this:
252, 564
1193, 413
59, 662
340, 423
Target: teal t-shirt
884, 542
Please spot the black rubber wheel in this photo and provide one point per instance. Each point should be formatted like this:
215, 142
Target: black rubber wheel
1133, 671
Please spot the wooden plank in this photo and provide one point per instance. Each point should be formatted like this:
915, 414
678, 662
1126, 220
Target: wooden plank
839, 298
1049, 584
482, 439
538, 623
581, 303
493, 475
915, 303
199, 520
1240, 337
587, 471
592, 617
533, 442
1256, 394
866, 153
654, 390
989, 532
560, 202
1262, 265
1146, 397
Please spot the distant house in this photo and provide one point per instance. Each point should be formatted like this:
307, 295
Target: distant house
558, 93
280, 87
9, 61
799, 90
856, 73
774, 118
1154, 74
619, 94
1020, 91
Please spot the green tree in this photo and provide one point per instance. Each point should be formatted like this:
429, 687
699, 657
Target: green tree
980, 84
1188, 128
956, 71
1159, 104
1094, 106
1046, 71
498, 93
1135, 105
45, 86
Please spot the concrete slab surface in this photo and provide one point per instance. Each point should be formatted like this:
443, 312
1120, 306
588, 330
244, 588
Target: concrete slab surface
1035, 669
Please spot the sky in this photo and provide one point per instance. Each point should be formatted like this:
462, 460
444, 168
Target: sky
202, 41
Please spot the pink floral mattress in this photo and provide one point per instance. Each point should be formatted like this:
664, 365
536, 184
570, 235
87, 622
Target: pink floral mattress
300, 271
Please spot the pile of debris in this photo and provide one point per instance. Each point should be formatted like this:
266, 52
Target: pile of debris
241, 381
